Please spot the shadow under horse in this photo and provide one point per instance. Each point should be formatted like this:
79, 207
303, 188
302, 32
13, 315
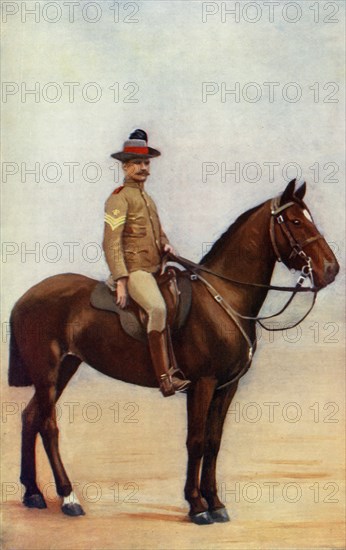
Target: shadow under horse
54, 328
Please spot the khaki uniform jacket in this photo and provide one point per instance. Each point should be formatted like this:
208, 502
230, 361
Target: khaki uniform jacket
133, 236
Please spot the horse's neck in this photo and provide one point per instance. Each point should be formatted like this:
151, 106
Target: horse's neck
247, 256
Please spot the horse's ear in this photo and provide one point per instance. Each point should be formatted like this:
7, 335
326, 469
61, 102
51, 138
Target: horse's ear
288, 193
301, 191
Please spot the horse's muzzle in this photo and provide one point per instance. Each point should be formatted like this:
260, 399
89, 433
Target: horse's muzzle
330, 271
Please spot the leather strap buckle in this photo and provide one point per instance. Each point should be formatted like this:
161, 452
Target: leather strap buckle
301, 280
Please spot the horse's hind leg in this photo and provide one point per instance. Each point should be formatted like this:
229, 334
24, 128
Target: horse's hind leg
217, 414
69, 365
39, 416
49, 433
33, 497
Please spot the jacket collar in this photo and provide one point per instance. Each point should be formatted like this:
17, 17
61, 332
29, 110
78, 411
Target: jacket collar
134, 184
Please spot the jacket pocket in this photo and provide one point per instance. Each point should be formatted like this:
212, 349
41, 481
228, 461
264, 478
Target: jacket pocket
135, 231
137, 257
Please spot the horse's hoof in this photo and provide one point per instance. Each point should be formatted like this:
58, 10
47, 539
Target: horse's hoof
220, 515
73, 509
202, 518
35, 501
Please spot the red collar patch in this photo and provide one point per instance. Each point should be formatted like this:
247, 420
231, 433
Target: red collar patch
117, 190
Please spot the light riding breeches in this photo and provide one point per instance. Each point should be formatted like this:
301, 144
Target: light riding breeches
143, 288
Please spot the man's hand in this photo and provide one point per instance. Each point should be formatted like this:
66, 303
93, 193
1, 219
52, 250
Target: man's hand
169, 248
122, 292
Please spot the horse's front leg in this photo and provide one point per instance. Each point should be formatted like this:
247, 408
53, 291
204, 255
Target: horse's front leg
217, 414
198, 401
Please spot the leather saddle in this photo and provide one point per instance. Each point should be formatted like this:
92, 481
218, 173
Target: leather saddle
175, 286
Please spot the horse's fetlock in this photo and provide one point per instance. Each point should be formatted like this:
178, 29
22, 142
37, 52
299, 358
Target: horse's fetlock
64, 490
30, 486
197, 505
208, 493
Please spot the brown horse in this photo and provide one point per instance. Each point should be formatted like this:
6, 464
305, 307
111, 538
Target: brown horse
54, 329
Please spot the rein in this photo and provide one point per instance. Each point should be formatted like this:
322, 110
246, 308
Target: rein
306, 272
192, 266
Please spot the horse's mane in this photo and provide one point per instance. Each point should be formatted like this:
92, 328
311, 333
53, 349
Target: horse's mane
228, 233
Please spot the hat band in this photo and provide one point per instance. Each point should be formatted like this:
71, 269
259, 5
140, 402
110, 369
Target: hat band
139, 150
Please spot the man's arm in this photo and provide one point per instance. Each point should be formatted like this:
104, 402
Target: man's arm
115, 218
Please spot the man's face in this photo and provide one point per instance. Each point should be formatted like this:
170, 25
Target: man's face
137, 170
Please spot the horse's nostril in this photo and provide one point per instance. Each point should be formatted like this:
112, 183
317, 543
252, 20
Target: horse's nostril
331, 269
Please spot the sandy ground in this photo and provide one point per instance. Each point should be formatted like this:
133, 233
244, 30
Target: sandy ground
280, 469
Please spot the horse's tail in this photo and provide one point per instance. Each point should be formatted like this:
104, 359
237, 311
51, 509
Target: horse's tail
17, 372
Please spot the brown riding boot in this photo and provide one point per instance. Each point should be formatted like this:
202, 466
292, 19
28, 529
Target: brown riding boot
160, 358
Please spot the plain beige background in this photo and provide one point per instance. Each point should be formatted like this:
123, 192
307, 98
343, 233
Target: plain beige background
146, 64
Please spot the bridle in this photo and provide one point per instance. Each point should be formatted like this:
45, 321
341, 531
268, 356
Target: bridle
297, 249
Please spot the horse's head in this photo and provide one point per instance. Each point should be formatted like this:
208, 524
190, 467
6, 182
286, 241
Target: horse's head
296, 240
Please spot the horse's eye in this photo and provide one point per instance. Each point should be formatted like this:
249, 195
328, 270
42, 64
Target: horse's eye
296, 222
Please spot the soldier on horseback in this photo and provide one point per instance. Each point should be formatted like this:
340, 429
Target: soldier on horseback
134, 244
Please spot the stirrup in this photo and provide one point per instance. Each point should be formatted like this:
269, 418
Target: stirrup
181, 385
175, 370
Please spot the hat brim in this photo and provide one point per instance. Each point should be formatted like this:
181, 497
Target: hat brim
131, 156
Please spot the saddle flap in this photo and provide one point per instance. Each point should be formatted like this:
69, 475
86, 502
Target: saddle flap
103, 298
176, 290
